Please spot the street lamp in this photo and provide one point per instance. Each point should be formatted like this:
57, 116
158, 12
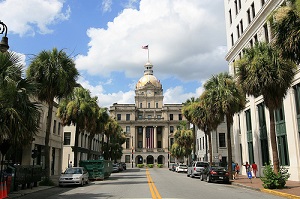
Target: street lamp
4, 41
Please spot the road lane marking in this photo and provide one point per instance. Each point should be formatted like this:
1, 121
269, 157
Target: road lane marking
154, 193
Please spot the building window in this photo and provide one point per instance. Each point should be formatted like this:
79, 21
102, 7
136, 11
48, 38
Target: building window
248, 16
141, 105
59, 127
148, 104
251, 43
200, 144
127, 143
156, 105
149, 116
240, 4
67, 138
140, 130
253, 10
127, 158
140, 117
127, 117
159, 144
159, 117
171, 141
266, 33
180, 116
241, 26
263, 2
140, 144
232, 40
236, 7
263, 134
222, 140
127, 129
54, 126
118, 116
171, 116
255, 38
203, 143
230, 17
171, 129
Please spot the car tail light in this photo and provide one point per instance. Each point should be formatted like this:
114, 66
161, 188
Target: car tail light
213, 172
227, 174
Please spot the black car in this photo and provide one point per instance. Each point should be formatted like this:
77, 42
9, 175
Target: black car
215, 174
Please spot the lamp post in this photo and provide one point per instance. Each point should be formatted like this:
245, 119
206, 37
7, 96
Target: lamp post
4, 41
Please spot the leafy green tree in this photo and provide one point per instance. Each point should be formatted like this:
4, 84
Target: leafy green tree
177, 151
184, 138
78, 109
262, 71
285, 25
19, 115
225, 98
186, 111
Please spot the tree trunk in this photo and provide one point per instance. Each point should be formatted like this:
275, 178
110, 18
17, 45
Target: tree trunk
229, 162
273, 141
77, 132
47, 138
206, 148
210, 148
194, 142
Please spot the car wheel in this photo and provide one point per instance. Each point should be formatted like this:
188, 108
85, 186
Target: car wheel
192, 176
201, 177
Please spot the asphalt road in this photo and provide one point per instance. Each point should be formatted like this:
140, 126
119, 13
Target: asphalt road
152, 183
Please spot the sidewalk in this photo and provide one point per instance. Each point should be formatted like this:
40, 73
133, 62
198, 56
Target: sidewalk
292, 189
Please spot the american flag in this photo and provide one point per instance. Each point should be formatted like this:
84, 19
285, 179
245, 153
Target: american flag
145, 47
150, 137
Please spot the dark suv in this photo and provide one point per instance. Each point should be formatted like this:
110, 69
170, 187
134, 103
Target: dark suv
196, 168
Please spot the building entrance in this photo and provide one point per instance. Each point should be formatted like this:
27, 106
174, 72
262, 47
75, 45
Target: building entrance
150, 159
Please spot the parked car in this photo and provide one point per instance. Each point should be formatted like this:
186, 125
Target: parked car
181, 168
74, 176
215, 174
173, 167
195, 168
115, 167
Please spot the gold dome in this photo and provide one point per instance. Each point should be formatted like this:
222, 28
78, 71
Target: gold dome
148, 79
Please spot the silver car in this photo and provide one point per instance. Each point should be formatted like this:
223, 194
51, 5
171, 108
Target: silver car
74, 176
196, 168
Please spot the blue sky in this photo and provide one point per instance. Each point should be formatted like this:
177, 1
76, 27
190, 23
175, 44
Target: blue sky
186, 38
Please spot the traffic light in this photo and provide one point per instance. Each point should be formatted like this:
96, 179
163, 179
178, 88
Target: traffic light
34, 153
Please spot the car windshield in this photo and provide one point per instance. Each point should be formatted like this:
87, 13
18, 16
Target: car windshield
201, 164
218, 168
73, 171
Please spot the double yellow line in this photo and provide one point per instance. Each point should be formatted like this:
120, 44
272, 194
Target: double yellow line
155, 194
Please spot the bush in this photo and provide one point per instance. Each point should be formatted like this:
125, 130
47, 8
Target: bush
160, 165
273, 181
140, 165
150, 165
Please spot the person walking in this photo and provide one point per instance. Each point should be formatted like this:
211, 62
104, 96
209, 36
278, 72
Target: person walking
237, 170
248, 170
254, 169
233, 170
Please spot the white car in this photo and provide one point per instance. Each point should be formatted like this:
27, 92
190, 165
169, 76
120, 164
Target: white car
181, 168
74, 176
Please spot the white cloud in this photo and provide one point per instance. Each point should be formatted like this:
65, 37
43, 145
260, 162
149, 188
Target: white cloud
186, 40
26, 19
106, 5
178, 95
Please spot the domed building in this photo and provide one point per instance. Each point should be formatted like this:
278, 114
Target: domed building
149, 124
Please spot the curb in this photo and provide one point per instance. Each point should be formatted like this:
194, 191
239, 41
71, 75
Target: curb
270, 191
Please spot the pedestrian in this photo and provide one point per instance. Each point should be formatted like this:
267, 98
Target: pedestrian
70, 164
237, 170
254, 169
233, 170
248, 171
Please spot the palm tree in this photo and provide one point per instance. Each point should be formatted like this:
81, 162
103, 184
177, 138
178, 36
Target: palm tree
262, 71
285, 24
98, 127
204, 118
56, 75
19, 116
225, 98
78, 109
186, 110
